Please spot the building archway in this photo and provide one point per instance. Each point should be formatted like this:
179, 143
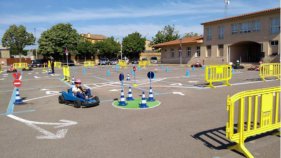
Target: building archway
246, 52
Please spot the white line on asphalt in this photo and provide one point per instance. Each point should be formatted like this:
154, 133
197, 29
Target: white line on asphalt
40, 97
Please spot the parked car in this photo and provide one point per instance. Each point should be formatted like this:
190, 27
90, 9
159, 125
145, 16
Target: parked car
135, 61
197, 64
113, 61
153, 60
37, 63
70, 62
103, 61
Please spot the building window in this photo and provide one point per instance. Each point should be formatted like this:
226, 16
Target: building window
172, 54
197, 54
188, 52
256, 26
221, 32
209, 47
209, 33
209, 51
234, 28
220, 50
165, 50
274, 43
275, 25
245, 27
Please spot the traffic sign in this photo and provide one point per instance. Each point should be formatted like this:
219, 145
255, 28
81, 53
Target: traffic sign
121, 77
150, 75
16, 75
17, 83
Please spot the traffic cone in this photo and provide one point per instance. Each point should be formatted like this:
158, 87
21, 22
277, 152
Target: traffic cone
108, 73
18, 98
130, 94
193, 68
143, 101
122, 101
150, 97
187, 73
128, 77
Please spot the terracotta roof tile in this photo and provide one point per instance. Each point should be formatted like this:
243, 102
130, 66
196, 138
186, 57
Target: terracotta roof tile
94, 36
187, 40
244, 15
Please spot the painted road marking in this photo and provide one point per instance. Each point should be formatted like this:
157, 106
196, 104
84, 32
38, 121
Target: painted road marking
36, 77
52, 92
40, 97
11, 105
176, 84
114, 90
179, 93
1, 79
46, 134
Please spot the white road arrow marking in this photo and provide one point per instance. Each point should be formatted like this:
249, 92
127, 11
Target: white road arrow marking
44, 89
52, 92
36, 77
176, 84
1, 79
179, 93
46, 134
114, 90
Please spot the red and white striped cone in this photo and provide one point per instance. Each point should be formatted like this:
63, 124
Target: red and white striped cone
150, 97
143, 101
18, 100
122, 101
130, 95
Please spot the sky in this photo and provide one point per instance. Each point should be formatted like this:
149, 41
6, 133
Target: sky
119, 18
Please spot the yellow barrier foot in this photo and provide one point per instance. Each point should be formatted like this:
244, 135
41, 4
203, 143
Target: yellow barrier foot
242, 149
135, 85
211, 85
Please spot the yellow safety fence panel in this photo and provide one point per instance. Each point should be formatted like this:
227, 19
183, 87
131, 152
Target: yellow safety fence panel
218, 73
44, 69
89, 64
49, 64
143, 63
20, 65
1, 68
270, 70
57, 64
66, 73
122, 63
251, 113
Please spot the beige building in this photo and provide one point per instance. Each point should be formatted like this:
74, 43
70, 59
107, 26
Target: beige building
4, 52
247, 38
93, 37
149, 52
185, 51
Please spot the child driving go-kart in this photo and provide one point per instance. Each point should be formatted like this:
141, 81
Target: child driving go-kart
81, 92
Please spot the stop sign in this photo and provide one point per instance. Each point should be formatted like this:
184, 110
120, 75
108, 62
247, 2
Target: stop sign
17, 83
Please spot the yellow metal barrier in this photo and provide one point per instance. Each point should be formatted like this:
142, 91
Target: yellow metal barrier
270, 70
143, 63
57, 64
218, 73
66, 73
1, 68
44, 70
251, 113
20, 65
49, 64
89, 64
122, 63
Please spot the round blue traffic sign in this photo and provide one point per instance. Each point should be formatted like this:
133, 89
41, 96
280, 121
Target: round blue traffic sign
150, 75
121, 77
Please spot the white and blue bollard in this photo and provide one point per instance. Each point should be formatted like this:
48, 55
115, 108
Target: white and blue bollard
143, 101
150, 96
130, 95
128, 77
122, 101
18, 99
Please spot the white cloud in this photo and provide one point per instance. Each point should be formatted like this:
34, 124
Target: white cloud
166, 9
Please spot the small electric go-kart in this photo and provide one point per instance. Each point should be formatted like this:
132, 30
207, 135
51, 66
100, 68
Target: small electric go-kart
11, 69
69, 98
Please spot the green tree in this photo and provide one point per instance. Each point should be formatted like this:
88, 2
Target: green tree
55, 40
133, 45
85, 49
191, 34
167, 34
16, 38
107, 48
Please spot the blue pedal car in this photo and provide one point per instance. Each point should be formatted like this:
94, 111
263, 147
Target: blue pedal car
69, 98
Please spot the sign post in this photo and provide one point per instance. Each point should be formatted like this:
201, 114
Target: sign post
66, 53
121, 78
135, 69
150, 75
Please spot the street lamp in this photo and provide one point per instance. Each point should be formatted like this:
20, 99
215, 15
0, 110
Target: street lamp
180, 51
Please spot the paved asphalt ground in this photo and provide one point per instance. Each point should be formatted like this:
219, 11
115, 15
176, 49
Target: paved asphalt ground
189, 123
